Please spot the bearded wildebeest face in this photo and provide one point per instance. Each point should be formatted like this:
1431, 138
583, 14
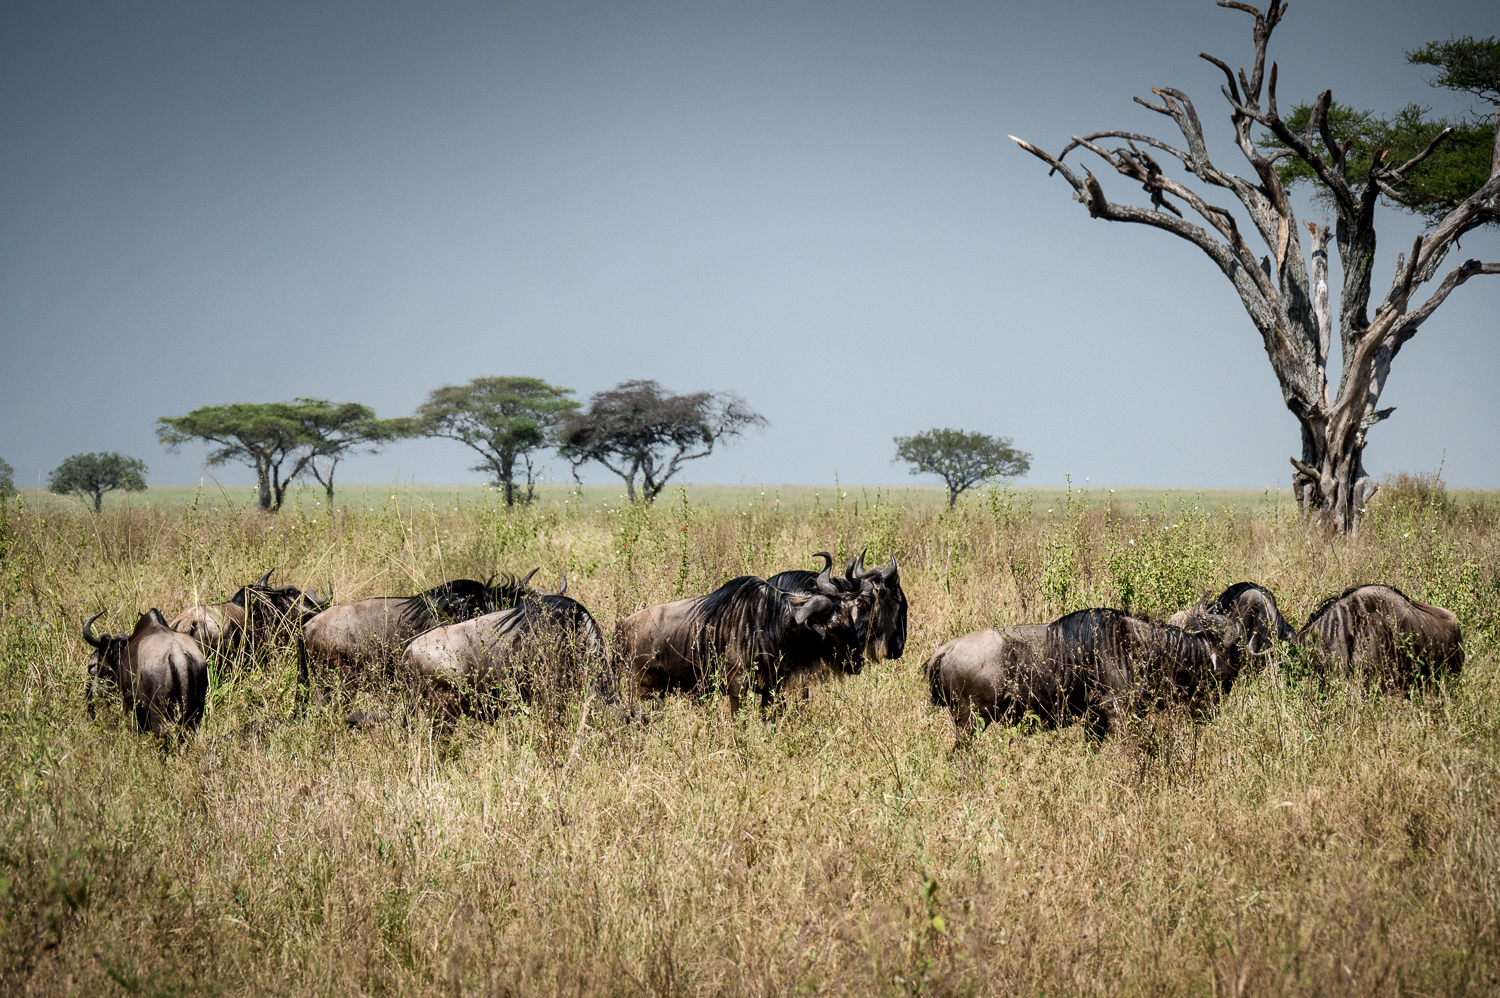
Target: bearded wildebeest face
887, 625
1224, 636
104, 663
883, 603
1251, 606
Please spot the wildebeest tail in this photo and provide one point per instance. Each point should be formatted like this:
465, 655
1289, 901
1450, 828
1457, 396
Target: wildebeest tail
935, 680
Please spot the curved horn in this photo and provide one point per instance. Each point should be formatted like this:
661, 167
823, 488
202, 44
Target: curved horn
856, 566
562, 590
88, 632
827, 559
265, 579
527, 579
825, 582
893, 569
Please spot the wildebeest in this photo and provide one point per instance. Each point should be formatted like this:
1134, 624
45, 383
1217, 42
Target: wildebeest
1381, 634
1098, 665
1252, 606
745, 637
160, 674
546, 643
358, 641
887, 629
254, 616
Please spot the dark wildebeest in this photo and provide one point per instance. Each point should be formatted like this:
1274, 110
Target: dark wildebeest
1380, 633
1253, 607
745, 637
252, 618
359, 641
887, 629
159, 674
545, 643
1099, 665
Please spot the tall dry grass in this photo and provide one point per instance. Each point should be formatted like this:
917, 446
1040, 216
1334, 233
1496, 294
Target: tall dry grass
1311, 839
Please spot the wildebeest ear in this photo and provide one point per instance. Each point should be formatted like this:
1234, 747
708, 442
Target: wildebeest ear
815, 611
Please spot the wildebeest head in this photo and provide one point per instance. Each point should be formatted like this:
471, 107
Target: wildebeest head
840, 617
887, 626
1251, 606
883, 601
105, 662
1223, 636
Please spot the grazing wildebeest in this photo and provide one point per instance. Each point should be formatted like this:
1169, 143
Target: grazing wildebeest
253, 617
745, 637
160, 675
545, 643
1380, 633
1095, 664
359, 641
887, 629
1252, 606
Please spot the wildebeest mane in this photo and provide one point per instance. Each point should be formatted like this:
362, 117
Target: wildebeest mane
1225, 601
1103, 631
723, 601
1327, 604
461, 599
800, 580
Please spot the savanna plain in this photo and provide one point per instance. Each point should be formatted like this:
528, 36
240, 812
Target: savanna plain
1310, 837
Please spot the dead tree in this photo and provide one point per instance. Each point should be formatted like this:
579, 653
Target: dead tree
1286, 298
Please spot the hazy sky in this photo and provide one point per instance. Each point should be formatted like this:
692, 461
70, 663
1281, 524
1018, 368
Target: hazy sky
814, 204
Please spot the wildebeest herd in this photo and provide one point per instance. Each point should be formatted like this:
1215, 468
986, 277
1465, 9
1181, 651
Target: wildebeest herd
465, 646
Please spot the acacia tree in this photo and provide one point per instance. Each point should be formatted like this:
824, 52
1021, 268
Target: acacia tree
263, 435
961, 459
639, 430
332, 430
503, 419
90, 476
1286, 298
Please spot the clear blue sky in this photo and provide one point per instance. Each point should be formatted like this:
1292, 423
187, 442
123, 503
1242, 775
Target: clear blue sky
813, 204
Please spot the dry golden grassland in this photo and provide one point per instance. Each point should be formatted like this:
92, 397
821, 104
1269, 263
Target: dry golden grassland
1310, 839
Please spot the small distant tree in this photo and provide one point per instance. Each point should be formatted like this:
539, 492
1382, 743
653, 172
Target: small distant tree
504, 419
89, 476
961, 459
638, 430
263, 435
7, 480
333, 430
280, 440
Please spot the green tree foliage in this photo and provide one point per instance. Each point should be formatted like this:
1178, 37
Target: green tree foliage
332, 430
1458, 166
1467, 63
961, 459
639, 430
503, 419
89, 476
7, 480
280, 440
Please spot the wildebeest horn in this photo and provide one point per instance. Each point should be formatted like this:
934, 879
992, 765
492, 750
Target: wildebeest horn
827, 558
856, 566
563, 588
825, 582
88, 631
524, 581
890, 572
265, 579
